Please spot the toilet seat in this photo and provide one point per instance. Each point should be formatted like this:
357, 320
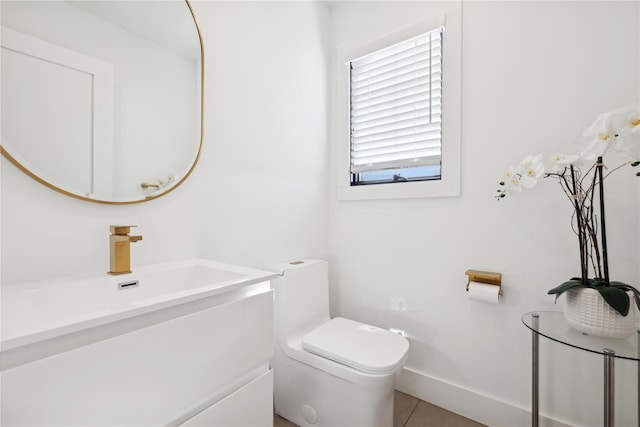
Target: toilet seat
358, 345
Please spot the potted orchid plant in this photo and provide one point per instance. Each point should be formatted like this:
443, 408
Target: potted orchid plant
581, 177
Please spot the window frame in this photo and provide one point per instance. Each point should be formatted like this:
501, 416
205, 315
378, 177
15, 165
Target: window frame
449, 183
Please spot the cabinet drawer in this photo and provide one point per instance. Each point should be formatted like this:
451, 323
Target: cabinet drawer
251, 405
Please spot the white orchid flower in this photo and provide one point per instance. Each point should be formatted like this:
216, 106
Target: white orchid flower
626, 121
528, 162
512, 181
598, 138
561, 160
618, 130
531, 168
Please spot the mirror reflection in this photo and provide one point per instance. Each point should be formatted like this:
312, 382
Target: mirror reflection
102, 100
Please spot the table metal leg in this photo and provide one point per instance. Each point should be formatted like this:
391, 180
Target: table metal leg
534, 371
609, 358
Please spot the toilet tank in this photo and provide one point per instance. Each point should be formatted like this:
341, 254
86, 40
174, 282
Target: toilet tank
301, 293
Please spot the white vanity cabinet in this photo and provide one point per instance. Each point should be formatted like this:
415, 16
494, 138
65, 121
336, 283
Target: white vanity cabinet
206, 366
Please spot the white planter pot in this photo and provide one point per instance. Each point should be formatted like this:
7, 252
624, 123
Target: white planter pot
586, 311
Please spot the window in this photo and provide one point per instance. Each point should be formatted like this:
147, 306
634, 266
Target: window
422, 180
396, 112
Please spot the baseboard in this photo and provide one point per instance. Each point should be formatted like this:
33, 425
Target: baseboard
469, 403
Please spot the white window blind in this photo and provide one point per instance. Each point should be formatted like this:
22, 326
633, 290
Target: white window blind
396, 96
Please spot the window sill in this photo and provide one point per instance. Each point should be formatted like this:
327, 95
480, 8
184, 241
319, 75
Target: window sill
402, 190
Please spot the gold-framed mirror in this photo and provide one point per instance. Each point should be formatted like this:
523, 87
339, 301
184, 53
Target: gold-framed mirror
102, 100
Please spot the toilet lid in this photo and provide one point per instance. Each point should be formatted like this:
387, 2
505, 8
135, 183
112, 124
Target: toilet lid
360, 346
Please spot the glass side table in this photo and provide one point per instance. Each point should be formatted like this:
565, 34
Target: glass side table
551, 325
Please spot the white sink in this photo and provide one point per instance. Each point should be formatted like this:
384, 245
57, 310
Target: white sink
41, 310
109, 294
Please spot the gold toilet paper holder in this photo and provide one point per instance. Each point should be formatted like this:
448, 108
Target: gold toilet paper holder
487, 277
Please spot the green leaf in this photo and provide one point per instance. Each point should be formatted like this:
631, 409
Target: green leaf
626, 288
573, 283
559, 290
595, 283
616, 298
621, 285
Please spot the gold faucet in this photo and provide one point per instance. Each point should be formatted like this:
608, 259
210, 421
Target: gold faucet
120, 248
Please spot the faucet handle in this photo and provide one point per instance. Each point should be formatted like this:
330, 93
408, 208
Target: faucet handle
121, 230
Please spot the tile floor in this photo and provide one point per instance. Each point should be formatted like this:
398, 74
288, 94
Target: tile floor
412, 412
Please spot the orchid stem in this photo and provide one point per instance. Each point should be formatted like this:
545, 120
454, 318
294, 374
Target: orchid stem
605, 259
581, 232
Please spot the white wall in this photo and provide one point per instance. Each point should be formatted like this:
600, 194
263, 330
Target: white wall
259, 192
265, 196
534, 75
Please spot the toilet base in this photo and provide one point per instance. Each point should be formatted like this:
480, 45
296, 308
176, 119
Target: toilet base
310, 397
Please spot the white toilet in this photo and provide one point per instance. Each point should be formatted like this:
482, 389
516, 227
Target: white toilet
329, 372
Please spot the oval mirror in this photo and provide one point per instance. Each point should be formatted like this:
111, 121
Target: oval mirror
102, 100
